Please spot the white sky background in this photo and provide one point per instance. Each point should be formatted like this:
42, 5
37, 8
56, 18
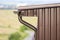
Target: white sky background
28, 2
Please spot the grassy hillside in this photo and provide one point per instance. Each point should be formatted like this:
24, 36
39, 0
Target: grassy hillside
8, 23
8, 18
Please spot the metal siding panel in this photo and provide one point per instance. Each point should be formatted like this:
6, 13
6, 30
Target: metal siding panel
28, 12
53, 24
47, 27
25, 12
38, 31
43, 23
49, 23
41, 28
58, 23
35, 12
55, 21
32, 12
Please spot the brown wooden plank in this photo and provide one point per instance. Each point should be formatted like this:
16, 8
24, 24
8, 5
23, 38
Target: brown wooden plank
58, 23
53, 24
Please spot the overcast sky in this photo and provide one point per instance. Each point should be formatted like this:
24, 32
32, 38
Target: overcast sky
28, 1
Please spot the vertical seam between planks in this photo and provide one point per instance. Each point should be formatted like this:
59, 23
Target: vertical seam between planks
50, 23
44, 22
56, 23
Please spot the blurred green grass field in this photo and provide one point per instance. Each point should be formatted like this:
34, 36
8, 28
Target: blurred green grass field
9, 23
